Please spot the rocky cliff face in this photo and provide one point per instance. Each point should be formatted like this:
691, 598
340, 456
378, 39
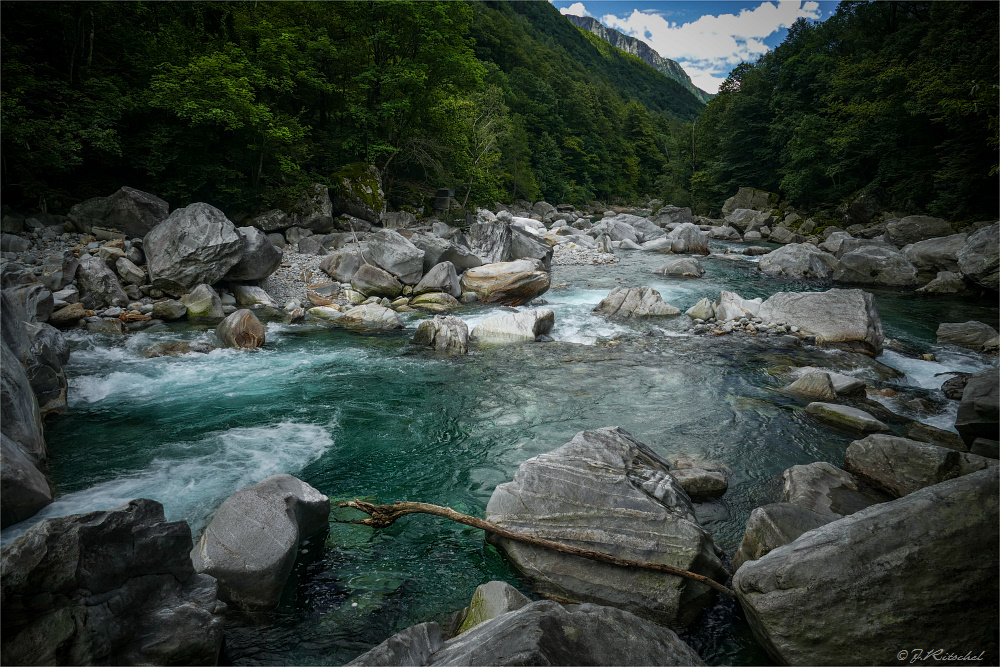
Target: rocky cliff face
641, 50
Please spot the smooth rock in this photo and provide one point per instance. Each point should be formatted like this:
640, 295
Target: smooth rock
446, 334
250, 295
608, 492
703, 310
341, 265
971, 334
509, 283
525, 246
114, 587
49, 353
99, 287
933, 255
272, 221
798, 261
203, 304
635, 302
773, 526
129, 272
688, 238
935, 436
825, 489
69, 316
196, 245
169, 309
815, 386
372, 316
435, 302
979, 258
23, 488
843, 385
687, 267
391, 251
979, 411
875, 265
868, 605
946, 282
370, 280
521, 327
241, 330
441, 278
731, 306
252, 541
845, 417
841, 318
701, 484
491, 239
260, 257
34, 300
915, 228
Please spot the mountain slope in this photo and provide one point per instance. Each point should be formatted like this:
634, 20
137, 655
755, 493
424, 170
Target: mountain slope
642, 50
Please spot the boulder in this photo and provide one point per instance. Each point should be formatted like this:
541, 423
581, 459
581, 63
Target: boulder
296, 234
272, 221
23, 488
701, 484
798, 261
868, 605
99, 287
357, 191
916, 228
372, 316
525, 246
686, 267
688, 238
170, 309
59, 270
49, 353
785, 235
491, 239
875, 265
399, 220
815, 386
114, 587
489, 601
276, 239
731, 306
435, 302
745, 219
34, 301
971, 334
935, 436
702, 310
131, 211
946, 282
314, 210
725, 234
441, 278
203, 305
841, 318
979, 411
252, 542
110, 255
540, 633
933, 255
373, 281
773, 526
616, 229
843, 385
759, 200
834, 242
635, 302
250, 295
825, 489
196, 245
260, 257
900, 466
129, 272
844, 417
606, 491
241, 330
509, 283
311, 245
446, 334
507, 329
979, 258
391, 251
341, 265
68, 316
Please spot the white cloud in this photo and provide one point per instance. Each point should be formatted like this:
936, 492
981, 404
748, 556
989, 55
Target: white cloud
576, 9
712, 45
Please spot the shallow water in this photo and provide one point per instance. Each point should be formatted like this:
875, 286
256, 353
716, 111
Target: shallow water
372, 417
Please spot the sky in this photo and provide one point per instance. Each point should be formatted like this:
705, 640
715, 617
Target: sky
707, 38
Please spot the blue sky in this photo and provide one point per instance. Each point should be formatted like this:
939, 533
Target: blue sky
707, 38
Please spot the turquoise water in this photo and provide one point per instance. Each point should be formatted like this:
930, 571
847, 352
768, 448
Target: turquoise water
372, 417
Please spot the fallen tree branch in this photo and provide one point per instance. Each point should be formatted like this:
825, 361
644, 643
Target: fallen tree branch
383, 516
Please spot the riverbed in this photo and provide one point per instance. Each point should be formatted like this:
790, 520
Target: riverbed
371, 416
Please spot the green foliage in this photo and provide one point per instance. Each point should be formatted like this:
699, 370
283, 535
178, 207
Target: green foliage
894, 99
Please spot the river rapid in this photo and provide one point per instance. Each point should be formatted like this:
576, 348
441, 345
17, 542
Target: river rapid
373, 417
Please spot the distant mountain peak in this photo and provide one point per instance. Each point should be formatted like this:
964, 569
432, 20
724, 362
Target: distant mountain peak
640, 49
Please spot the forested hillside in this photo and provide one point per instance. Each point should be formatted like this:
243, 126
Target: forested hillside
242, 104
894, 103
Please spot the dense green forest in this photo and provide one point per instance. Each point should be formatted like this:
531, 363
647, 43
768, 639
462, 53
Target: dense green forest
893, 102
242, 104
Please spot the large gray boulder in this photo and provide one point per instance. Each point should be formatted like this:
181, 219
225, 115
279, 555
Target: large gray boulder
685, 267
616, 229
272, 221
845, 417
635, 302
442, 277
979, 258
252, 542
798, 261
731, 306
491, 239
933, 255
341, 265
445, 333
785, 235
260, 257
128, 210
773, 526
357, 191
687, 238
44, 368
34, 300
916, 228
540, 633
390, 250
524, 245
23, 487
606, 491
196, 244
844, 318
99, 286
508, 283
22, 418
971, 334
746, 219
824, 489
979, 412
511, 328
372, 316
59, 270
113, 587
900, 466
875, 265
373, 281
752, 198
314, 210
920, 571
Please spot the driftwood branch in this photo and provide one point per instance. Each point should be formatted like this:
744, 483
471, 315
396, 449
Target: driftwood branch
383, 516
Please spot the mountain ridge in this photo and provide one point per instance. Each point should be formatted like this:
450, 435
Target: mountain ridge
640, 49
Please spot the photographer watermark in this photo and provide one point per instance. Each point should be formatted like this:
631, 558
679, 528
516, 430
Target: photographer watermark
938, 655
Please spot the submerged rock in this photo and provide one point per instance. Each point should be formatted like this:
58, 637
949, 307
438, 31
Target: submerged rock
845, 417
523, 327
607, 492
635, 302
845, 318
113, 587
868, 605
252, 542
